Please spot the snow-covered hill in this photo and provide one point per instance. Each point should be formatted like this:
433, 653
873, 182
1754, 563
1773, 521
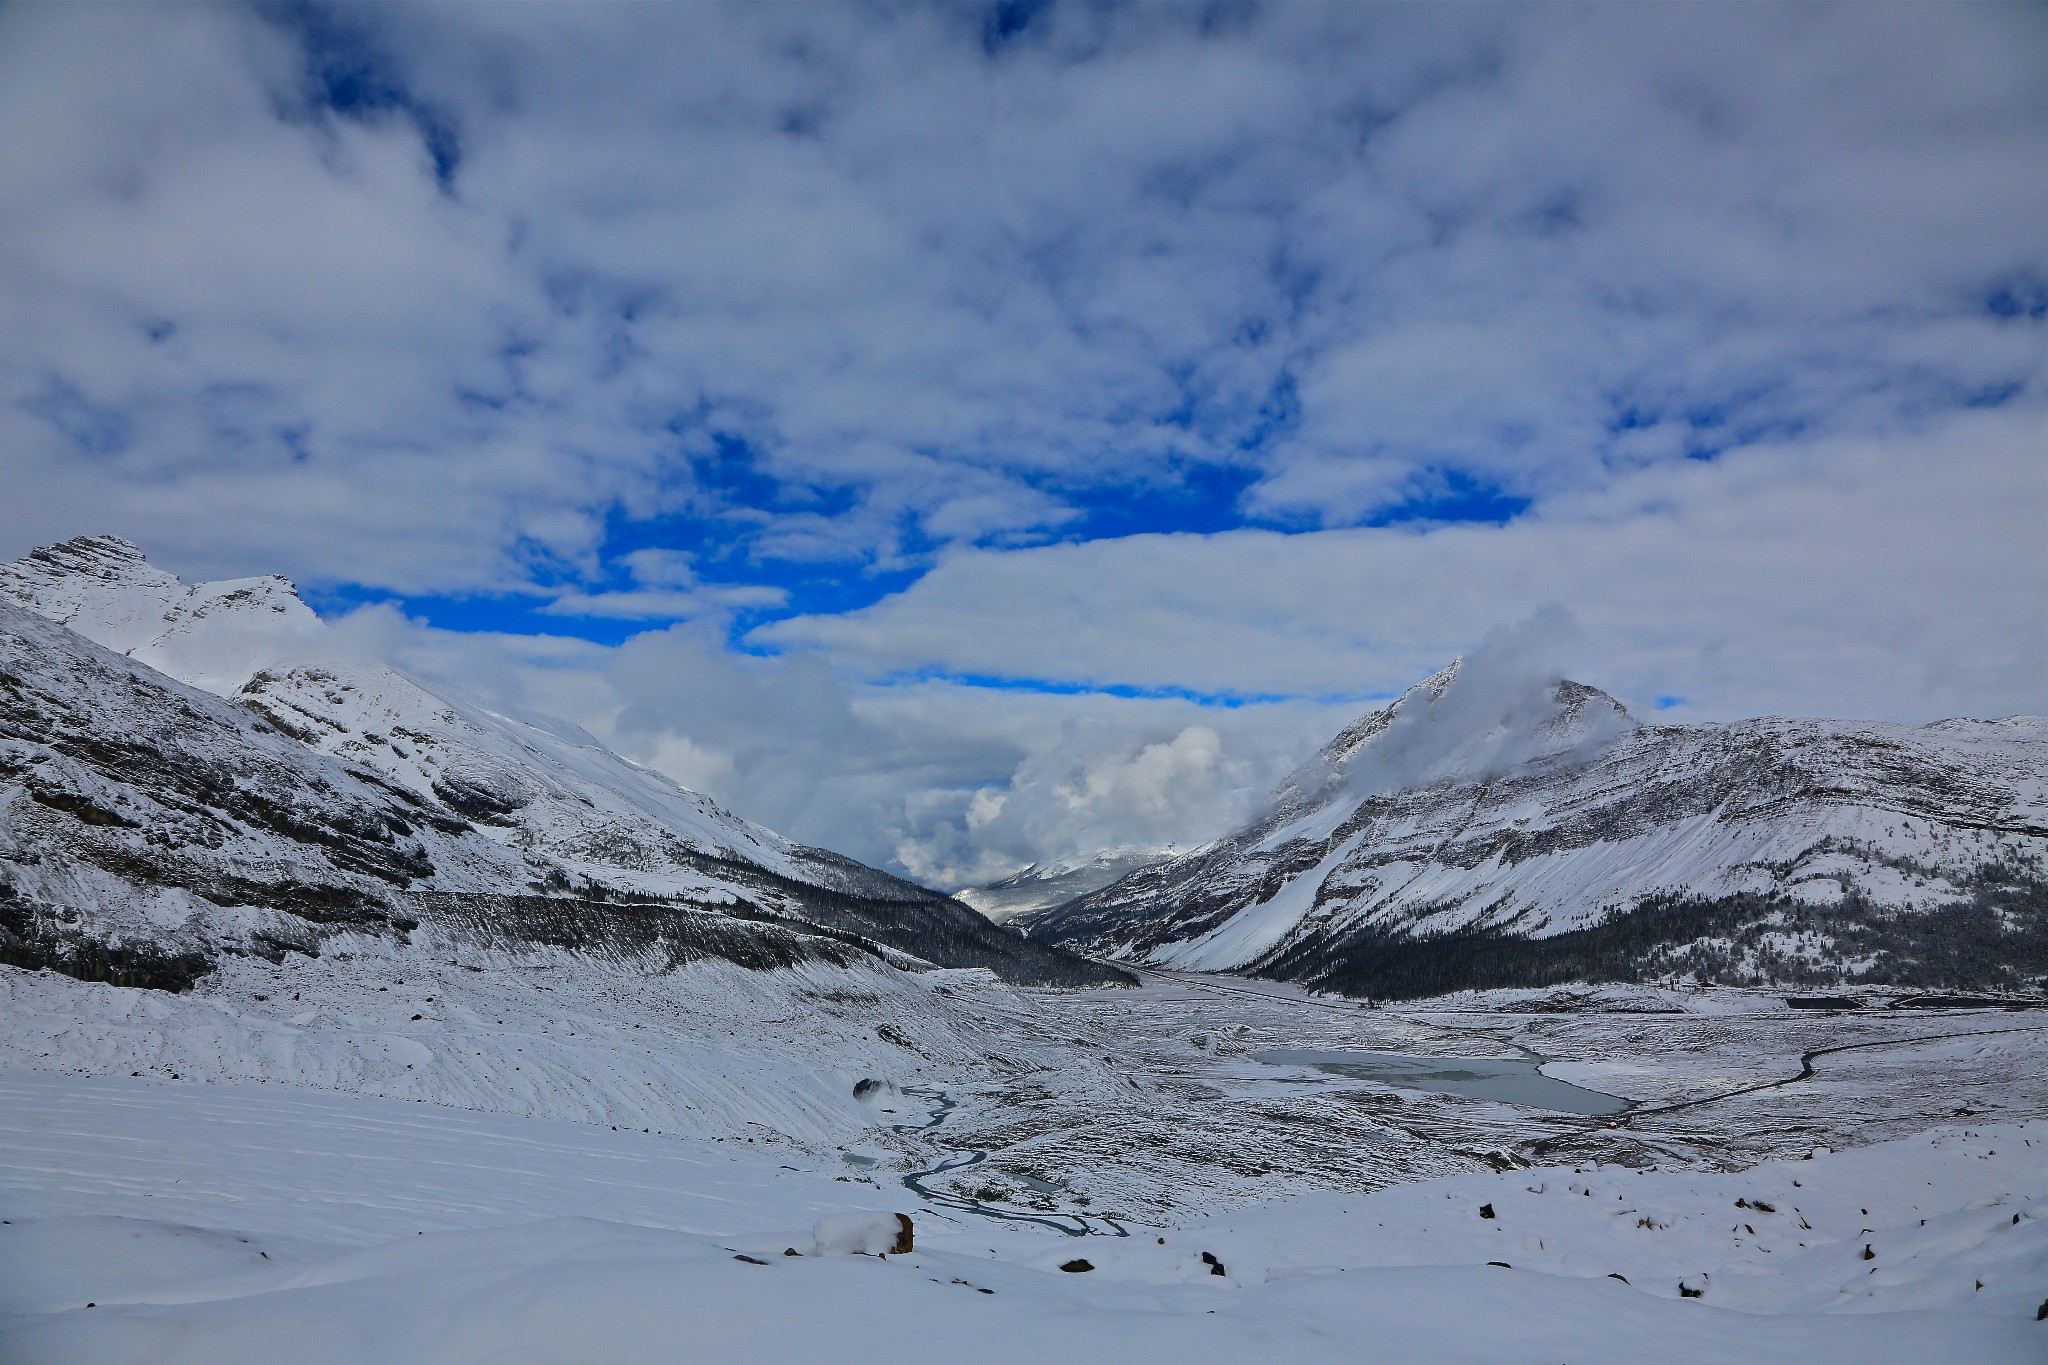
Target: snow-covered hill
1467, 835
545, 785
531, 806
209, 635
539, 785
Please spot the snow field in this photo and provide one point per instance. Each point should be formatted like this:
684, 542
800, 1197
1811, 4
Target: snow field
228, 1223
709, 1050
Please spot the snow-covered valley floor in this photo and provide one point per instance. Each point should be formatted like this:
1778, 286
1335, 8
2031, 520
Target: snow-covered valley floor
330, 1178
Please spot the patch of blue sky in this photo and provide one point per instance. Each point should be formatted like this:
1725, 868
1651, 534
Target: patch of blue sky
1201, 499
521, 615
1007, 21
1716, 430
1066, 688
2023, 298
1993, 395
1711, 427
807, 594
728, 502
739, 502
508, 614
346, 73
1455, 496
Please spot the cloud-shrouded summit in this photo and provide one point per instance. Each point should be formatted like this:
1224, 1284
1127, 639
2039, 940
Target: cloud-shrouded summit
973, 436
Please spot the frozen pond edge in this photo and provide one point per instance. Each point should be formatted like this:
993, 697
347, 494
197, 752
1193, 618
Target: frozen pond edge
1510, 1080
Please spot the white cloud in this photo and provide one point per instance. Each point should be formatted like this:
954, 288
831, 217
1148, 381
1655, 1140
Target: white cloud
951, 303
1897, 577
945, 297
950, 783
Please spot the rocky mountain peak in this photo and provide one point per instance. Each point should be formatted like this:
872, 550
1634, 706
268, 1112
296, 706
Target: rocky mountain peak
1492, 804
60, 581
105, 556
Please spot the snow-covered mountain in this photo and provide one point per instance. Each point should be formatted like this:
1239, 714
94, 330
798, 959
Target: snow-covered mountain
147, 827
1468, 835
533, 807
1044, 885
208, 635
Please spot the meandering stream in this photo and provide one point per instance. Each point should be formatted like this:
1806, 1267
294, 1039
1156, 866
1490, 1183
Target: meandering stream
943, 1104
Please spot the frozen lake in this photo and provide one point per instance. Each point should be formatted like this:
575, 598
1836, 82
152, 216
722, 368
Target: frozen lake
1512, 1080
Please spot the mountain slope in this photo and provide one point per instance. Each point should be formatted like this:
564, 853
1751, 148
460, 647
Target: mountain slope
1464, 836
560, 814
147, 827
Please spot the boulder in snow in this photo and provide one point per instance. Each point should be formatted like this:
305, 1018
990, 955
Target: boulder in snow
862, 1234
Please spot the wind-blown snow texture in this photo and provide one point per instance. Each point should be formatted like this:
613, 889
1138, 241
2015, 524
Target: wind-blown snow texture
1770, 849
335, 790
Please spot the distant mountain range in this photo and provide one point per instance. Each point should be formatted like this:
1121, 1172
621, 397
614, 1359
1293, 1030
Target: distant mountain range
1466, 837
1044, 885
187, 770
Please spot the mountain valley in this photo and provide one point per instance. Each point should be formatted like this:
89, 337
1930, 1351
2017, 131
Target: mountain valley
436, 1007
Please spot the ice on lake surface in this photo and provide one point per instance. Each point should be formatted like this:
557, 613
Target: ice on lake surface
1512, 1080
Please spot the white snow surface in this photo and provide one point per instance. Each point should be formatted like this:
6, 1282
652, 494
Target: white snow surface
564, 795
1250, 934
707, 1050
147, 1221
162, 801
212, 636
1043, 885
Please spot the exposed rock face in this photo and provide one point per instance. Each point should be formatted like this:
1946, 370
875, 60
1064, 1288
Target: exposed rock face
1557, 837
173, 825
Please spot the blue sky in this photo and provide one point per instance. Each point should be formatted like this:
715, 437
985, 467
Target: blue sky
1198, 500
923, 426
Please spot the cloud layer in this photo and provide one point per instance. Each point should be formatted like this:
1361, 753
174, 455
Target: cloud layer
434, 298
1897, 577
958, 398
